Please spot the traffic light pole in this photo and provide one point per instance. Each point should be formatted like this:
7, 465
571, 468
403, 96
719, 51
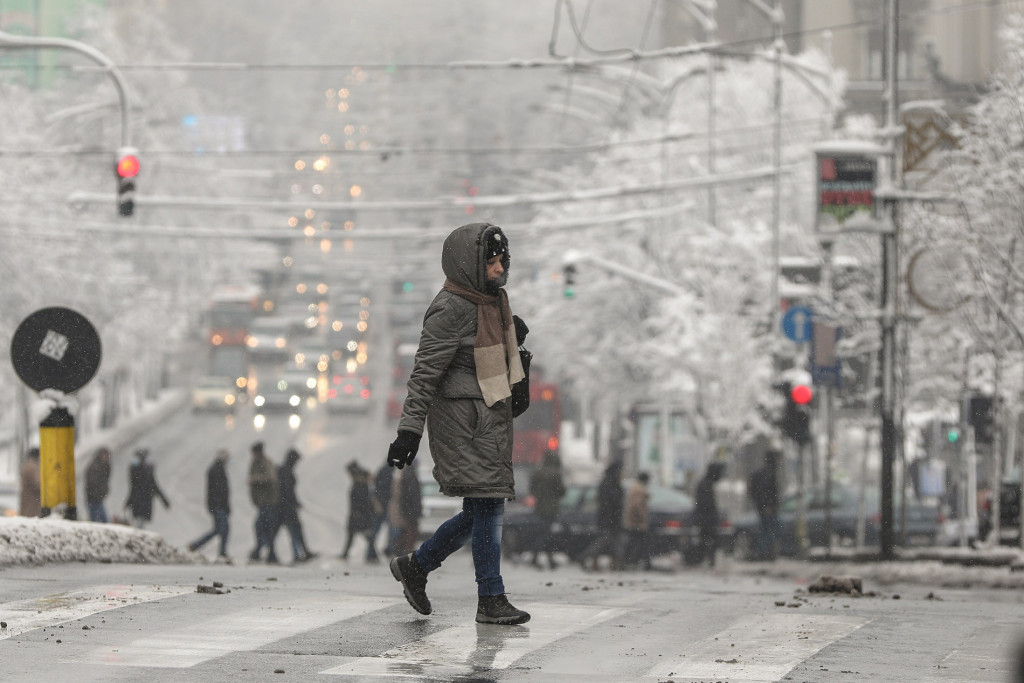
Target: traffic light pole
11, 41
890, 282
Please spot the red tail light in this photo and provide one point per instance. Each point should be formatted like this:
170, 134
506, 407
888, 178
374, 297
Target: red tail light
673, 524
553, 443
725, 524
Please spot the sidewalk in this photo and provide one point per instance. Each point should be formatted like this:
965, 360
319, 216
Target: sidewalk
938, 567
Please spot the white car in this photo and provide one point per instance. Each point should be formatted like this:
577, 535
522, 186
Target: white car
216, 394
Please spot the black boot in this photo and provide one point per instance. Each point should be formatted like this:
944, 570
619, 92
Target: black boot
414, 581
495, 609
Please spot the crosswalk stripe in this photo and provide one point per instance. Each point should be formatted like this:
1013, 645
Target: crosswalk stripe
240, 631
473, 647
759, 649
50, 610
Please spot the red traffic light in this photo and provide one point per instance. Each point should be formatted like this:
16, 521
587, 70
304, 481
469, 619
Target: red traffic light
801, 394
128, 166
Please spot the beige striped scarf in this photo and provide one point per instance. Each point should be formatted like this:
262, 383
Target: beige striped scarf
497, 359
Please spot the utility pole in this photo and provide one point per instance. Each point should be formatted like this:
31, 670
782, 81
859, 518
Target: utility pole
890, 282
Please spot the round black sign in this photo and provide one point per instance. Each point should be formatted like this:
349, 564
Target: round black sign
56, 348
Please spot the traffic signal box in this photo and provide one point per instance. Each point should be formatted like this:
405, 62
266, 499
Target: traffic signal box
126, 169
570, 280
981, 416
796, 417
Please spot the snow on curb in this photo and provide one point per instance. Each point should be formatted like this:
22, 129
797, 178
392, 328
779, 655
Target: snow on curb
31, 541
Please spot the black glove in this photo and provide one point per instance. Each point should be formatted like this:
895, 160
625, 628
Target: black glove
521, 330
403, 449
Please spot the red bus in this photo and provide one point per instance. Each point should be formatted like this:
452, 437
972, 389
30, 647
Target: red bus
230, 314
537, 430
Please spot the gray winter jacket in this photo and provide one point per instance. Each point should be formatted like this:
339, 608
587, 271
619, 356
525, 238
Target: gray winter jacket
471, 444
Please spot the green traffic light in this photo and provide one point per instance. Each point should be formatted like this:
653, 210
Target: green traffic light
953, 435
406, 286
569, 292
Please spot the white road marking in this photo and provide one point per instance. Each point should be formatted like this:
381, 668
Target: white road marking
240, 631
759, 649
473, 647
50, 610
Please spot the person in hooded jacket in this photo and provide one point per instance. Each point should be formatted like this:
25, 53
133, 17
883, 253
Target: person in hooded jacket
610, 496
142, 480
705, 512
218, 503
288, 507
460, 390
265, 494
548, 488
361, 513
97, 484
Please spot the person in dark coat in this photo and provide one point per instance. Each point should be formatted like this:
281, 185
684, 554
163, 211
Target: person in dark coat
705, 512
459, 393
405, 509
30, 499
97, 484
763, 490
265, 495
288, 507
143, 488
610, 498
361, 513
380, 497
218, 502
547, 488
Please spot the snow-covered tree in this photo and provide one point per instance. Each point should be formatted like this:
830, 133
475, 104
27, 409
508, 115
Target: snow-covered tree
711, 348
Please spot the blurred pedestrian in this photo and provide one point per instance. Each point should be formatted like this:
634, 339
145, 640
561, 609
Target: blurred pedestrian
763, 490
288, 508
706, 514
380, 497
265, 495
547, 488
609, 519
143, 489
30, 502
404, 511
361, 513
636, 520
97, 484
460, 391
218, 503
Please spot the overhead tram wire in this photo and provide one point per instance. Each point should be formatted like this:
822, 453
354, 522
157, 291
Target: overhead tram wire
86, 231
585, 148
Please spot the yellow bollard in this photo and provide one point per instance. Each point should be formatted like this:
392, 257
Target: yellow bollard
57, 462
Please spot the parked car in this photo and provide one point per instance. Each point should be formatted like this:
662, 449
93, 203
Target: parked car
923, 524
671, 514
213, 393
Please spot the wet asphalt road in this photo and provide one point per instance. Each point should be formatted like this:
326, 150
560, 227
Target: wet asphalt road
328, 620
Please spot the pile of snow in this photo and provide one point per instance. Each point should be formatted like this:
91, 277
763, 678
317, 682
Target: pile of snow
31, 541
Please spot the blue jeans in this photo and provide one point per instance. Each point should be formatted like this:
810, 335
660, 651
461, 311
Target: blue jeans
481, 519
220, 528
97, 513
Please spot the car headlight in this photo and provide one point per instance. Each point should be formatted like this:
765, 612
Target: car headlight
294, 400
259, 401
